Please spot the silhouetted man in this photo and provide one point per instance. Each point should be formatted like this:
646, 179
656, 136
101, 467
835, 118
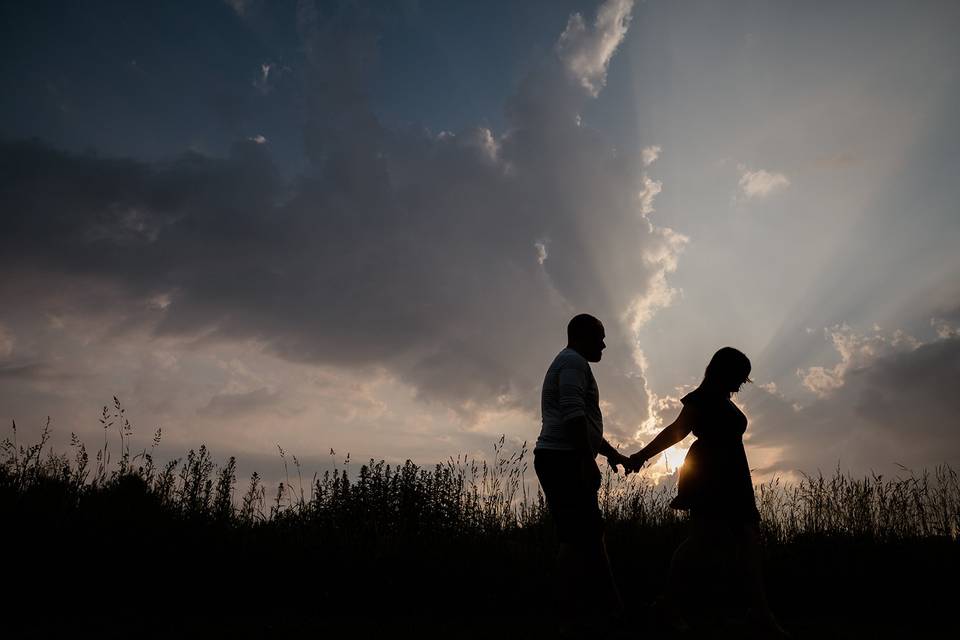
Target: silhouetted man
565, 462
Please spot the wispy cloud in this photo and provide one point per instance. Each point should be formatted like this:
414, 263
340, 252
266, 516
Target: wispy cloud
760, 183
650, 154
228, 405
6, 342
586, 51
262, 80
856, 350
541, 248
651, 189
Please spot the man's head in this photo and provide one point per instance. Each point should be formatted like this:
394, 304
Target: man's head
585, 335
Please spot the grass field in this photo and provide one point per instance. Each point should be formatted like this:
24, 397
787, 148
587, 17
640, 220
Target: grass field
121, 546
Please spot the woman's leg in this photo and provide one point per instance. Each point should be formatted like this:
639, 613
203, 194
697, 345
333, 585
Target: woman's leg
702, 550
684, 557
667, 609
751, 559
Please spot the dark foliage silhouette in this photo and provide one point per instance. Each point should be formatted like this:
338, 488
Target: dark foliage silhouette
126, 544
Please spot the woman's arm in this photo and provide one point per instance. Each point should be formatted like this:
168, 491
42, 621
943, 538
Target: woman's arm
671, 435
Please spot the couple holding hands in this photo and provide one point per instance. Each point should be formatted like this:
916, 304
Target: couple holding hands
714, 485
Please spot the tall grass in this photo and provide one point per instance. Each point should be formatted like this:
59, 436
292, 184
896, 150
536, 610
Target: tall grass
462, 497
185, 545
915, 505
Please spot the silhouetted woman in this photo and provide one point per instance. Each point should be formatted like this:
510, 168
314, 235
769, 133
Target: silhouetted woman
715, 486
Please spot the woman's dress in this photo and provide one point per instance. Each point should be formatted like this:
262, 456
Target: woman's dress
715, 479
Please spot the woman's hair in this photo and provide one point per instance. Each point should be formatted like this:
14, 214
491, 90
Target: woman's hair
728, 364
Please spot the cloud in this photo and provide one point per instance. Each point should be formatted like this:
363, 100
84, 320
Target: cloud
541, 247
262, 80
32, 371
586, 51
760, 183
226, 405
650, 154
397, 251
6, 342
651, 189
947, 326
893, 402
855, 351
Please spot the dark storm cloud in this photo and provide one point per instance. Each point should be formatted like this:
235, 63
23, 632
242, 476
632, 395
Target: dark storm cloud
914, 395
454, 261
899, 408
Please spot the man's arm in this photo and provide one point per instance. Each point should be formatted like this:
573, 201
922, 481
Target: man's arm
607, 449
573, 389
572, 394
579, 432
579, 428
613, 456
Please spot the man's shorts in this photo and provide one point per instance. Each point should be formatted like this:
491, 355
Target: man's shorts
570, 484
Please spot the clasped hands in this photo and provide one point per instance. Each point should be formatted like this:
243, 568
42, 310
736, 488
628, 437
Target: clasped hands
631, 464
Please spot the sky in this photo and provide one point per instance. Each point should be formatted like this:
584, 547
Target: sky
362, 226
